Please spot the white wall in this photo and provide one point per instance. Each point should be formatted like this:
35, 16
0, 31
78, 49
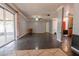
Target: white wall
47, 27
37, 26
23, 25
54, 25
76, 19
59, 24
50, 26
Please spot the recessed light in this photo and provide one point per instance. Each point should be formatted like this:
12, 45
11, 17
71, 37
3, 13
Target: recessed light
37, 19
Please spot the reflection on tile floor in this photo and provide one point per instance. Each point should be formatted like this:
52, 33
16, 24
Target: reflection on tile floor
37, 41
10, 49
66, 45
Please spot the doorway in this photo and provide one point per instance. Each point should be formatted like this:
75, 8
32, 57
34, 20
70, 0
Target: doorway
68, 26
6, 26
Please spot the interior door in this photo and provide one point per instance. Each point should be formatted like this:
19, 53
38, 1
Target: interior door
59, 24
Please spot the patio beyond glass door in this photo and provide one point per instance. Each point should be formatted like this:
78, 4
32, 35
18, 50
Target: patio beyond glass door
9, 31
9, 26
2, 33
6, 26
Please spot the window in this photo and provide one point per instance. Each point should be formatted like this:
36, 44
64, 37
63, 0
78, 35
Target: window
1, 14
8, 15
1, 27
6, 26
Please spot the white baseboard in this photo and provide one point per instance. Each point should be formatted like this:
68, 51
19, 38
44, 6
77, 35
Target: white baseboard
21, 35
59, 40
25, 34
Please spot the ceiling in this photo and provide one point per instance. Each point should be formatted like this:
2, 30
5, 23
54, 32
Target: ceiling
38, 9
44, 10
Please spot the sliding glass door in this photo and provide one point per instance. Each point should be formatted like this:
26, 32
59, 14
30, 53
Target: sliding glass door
9, 26
2, 33
2, 30
6, 26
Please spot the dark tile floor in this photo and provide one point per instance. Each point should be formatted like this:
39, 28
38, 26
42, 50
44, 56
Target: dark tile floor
36, 41
66, 46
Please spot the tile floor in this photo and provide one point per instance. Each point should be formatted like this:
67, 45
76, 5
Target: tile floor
43, 44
